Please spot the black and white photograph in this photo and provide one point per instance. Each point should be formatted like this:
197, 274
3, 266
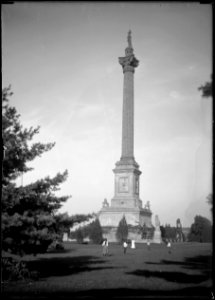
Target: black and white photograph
107, 162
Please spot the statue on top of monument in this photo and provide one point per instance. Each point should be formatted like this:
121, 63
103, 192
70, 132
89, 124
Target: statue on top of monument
129, 60
105, 203
129, 39
147, 205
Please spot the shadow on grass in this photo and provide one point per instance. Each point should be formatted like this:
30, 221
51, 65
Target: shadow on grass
199, 263
59, 251
178, 277
200, 292
202, 263
120, 293
63, 266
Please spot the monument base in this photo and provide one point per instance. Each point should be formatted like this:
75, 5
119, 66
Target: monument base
133, 234
109, 218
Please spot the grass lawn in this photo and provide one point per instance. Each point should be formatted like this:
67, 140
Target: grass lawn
81, 271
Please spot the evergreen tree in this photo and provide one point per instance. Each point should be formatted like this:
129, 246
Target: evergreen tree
79, 218
79, 235
95, 233
122, 230
170, 232
29, 213
201, 230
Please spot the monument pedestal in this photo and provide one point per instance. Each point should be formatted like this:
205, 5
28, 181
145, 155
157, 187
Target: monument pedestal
111, 216
126, 202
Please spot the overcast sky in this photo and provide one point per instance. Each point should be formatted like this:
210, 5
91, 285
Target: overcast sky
62, 62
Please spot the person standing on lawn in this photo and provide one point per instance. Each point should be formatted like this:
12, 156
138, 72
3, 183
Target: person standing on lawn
104, 247
148, 244
169, 246
125, 245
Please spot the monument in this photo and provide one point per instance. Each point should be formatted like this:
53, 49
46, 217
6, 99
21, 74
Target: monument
126, 201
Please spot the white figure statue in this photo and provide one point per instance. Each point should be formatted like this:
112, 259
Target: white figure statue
157, 221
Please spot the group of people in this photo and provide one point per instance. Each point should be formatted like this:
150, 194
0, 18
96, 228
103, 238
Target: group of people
105, 247
125, 246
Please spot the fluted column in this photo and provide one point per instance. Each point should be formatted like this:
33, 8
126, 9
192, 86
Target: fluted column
128, 114
129, 63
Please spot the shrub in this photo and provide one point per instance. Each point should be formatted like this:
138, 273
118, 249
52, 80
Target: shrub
122, 230
79, 235
13, 270
95, 232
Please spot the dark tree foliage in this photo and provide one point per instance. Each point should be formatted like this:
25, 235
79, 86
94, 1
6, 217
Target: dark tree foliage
207, 89
95, 233
210, 201
122, 230
65, 222
79, 218
17, 152
162, 229
79, 235
179, 233
168, 232
147, 232
201, 230
29, 213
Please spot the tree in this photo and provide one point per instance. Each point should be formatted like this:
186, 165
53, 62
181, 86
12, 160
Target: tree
15, 142
169, 232
210, 201
29, 213
201, 230
65, 222
206, 89
79, 235
122, 230
95, 233
162, 229
179, 233
79, 218
147, 232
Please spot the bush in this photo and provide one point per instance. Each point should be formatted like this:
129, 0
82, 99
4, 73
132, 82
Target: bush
95, 233
79, 235
13, 270
122, 230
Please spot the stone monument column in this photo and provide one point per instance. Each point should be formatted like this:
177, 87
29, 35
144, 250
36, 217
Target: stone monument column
129, 63
127, 170
126, 201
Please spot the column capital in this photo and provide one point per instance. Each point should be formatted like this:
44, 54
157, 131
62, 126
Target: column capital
128, 63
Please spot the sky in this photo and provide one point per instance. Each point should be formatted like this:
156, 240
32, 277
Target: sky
61, 59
